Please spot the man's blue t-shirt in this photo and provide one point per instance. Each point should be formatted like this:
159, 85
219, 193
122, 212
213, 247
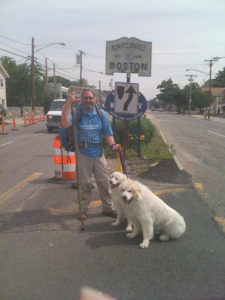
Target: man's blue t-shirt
90, 130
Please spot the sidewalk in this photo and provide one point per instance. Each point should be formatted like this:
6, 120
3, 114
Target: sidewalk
212, 118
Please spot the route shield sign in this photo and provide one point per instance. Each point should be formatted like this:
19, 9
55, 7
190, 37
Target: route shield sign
110, 107
128, 55
126, 98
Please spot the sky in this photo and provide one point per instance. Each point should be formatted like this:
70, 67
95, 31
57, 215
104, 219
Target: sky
183, 35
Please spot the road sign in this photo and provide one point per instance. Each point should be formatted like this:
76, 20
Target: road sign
110, 107
128, 55
126, 98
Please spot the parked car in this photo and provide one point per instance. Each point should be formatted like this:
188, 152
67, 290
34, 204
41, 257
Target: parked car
2, 111
54, 114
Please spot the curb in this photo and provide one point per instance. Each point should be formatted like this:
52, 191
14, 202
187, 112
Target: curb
177, 161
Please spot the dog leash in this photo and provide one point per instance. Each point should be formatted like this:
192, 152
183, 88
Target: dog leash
121, 163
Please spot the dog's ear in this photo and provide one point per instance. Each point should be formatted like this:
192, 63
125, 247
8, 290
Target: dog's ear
137, 195
137, 192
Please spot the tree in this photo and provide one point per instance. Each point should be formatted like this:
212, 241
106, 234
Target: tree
65, 82
154, 103
19, 84
201, 99
18, 89
219, 80
171, 94
180, 100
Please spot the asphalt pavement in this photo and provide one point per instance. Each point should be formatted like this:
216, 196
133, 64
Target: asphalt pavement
47, 256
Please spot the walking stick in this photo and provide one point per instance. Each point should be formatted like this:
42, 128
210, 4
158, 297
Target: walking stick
75, 142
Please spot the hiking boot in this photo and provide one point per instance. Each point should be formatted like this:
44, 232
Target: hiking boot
110, 213
82, 216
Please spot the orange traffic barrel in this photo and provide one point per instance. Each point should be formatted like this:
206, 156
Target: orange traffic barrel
65, 163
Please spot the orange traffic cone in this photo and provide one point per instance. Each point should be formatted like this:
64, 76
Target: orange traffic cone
30, 120
33, 118
25, 120
14, 122
3, 125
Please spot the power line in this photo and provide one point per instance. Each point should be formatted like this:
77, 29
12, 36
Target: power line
26, 44
13, 53
12, 47
181, 53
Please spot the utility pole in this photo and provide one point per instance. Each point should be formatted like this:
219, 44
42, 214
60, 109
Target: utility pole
54, 80
111, 84
81, 53
32, 77
210, 71
99, 92
190, 95
79, 62
46, 75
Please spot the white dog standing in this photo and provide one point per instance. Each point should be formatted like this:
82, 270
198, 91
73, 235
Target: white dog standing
117, 178
149, 214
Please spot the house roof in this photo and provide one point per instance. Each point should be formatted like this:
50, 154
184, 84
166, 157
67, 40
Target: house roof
3, 71
215, 91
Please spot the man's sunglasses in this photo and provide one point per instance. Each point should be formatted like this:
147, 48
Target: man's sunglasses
88, 98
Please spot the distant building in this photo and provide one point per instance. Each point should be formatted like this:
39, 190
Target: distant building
3, 76
218, 94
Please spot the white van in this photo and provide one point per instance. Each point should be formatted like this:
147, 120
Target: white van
54, 114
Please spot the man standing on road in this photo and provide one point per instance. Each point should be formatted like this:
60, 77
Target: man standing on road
91, 159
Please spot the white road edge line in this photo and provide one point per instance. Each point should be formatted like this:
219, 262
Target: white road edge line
6, 144
216, 133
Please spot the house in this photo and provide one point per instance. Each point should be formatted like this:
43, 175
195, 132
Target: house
218, 94
3, 76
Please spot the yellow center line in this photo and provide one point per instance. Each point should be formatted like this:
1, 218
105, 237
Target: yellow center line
170, 191
6, 195
221, 222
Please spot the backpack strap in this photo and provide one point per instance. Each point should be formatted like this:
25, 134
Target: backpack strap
99, 112
79, 110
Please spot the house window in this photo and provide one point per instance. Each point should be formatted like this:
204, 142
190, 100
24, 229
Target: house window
1, 82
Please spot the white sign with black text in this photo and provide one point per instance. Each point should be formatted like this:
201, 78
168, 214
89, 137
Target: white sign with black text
126, 98
128, 55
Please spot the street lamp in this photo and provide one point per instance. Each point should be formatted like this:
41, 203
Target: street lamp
50, 44
33, 70
197, 71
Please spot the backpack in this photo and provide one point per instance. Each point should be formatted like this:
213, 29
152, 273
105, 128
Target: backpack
66, 134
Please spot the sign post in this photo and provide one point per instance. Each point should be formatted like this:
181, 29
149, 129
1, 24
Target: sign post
128, 55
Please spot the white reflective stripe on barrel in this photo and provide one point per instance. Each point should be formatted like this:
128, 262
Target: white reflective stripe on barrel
66, 168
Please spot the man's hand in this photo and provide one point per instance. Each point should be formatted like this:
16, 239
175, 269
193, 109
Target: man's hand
115, 147
71, 95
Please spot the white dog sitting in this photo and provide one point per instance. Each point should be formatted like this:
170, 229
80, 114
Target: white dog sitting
149, 214
117, 178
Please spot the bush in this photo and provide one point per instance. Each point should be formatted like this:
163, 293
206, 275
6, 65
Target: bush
147, 131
